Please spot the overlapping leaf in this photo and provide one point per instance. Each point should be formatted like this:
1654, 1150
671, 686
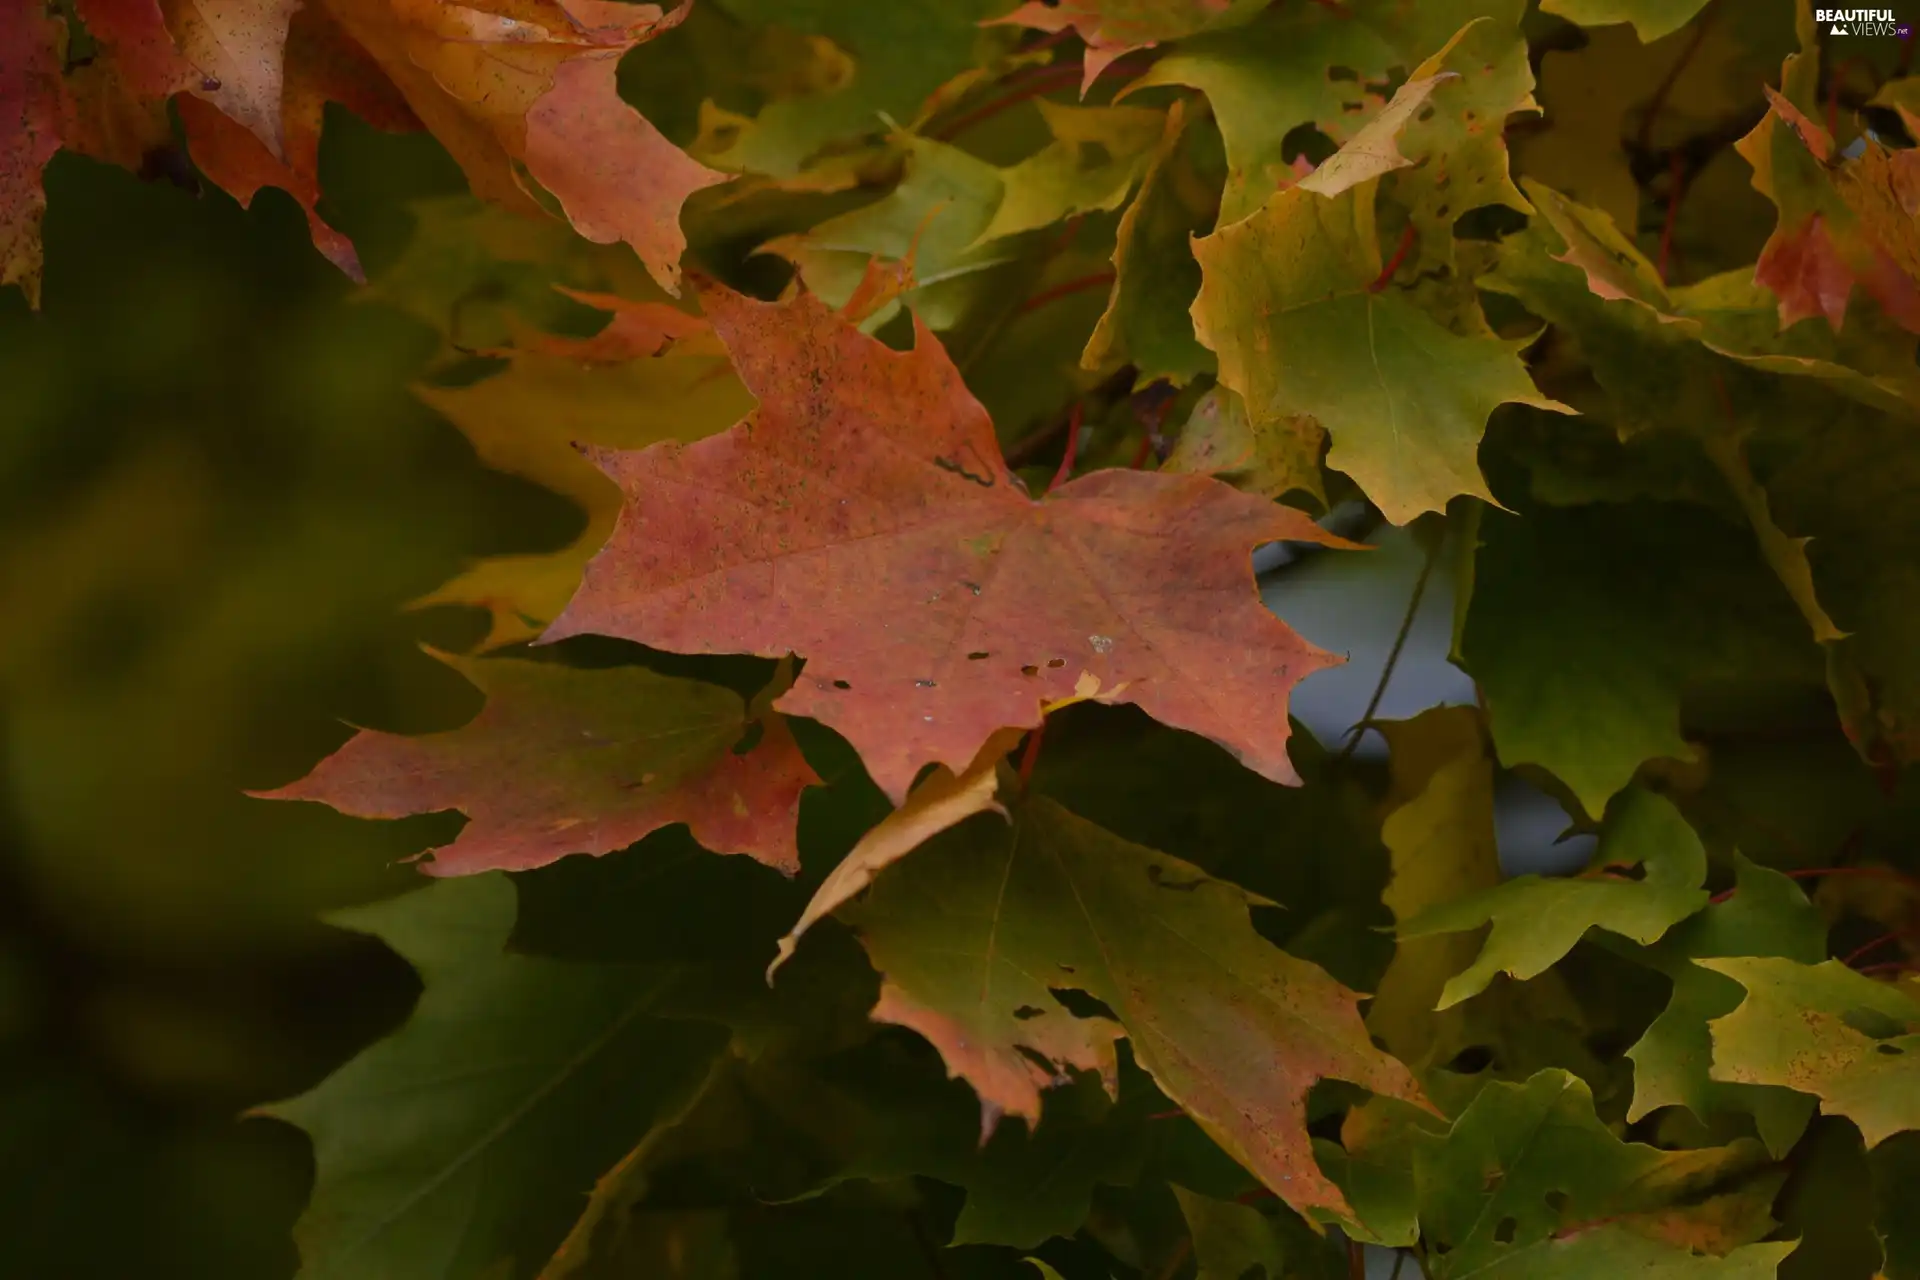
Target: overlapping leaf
973, 933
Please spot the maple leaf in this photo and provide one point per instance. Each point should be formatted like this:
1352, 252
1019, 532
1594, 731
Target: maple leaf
1537, 921
1585, 633
323, 64
1767, 915
1826, 1030
1155, 276
564, 761
1096, 155
1114, 28
1843, 221
654, 373
1530, 1185
531, 82
863, 519
1292, 298
971, 933
467, 1139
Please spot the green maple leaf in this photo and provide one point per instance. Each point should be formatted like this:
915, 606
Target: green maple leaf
1156, 275
1826, 1030
461, 1145
1529, 1184
1292, 301
1537, 921
973, 931
1585, 631
1766, 916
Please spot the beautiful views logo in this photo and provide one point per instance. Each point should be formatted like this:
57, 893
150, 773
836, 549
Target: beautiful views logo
1862, 22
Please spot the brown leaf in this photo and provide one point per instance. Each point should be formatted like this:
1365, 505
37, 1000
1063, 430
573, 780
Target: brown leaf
863, 519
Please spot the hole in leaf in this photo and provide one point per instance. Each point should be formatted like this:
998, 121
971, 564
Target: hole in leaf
1081, 1005
841, 684
1026, 1011
1505, 1232
978, 655
1305, 140
1056, 663
1891, 1050
1472, 1060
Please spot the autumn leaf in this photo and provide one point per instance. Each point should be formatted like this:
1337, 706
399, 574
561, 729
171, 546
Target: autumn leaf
971, 933
1294, 301
864, 520
1825, 1030
532, 84
1230, 1240
239, 49
469, 1137
564, 761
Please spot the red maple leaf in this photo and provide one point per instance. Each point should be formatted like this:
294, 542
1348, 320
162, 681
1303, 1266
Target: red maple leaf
864, 519
562, 760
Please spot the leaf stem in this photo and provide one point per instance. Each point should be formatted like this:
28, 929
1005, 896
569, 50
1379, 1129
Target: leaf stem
1868, 947
1386, 275
1064, 289
1393, 655
1665, 89
1031, 755
1065, 469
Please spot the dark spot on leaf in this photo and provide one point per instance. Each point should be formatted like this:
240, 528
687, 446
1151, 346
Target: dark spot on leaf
1056, 663
978, 655
1891, 1050
209, 84
1557, 1201
923, 684
1029, 671
1426, 113
1027, 1011
841, 684
1343, 73
1505, 1232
